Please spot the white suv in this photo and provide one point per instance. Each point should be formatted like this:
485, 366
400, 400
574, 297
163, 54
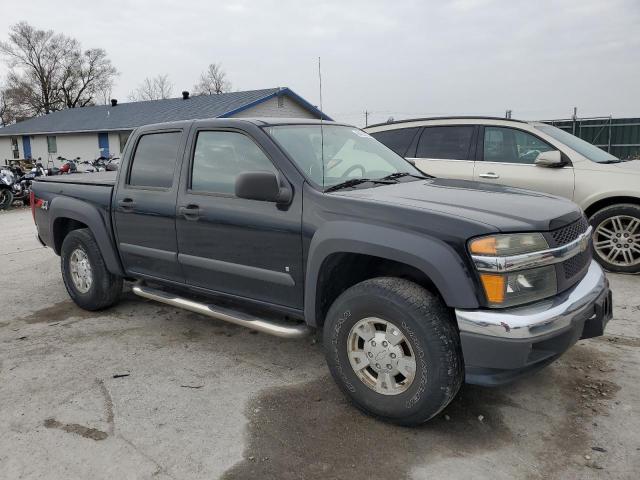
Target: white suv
538, 157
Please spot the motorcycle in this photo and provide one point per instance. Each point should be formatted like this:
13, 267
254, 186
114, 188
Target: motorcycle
68, 166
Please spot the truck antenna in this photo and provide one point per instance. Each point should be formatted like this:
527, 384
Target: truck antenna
321, 119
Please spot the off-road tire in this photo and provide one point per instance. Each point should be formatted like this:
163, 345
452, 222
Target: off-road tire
105, 289
424, 321
626, 209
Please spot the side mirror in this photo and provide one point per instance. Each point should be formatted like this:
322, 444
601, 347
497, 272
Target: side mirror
263, 186
411, 161
552, 158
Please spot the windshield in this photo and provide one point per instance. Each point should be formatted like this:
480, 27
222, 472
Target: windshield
349, 153
585, 149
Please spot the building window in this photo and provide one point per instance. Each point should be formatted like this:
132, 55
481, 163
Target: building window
52, 145
14, 147
280, 101
123, 137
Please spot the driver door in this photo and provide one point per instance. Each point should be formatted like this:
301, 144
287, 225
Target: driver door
508, 158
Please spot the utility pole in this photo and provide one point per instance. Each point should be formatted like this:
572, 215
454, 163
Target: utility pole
366, 118
507, 114
574, 118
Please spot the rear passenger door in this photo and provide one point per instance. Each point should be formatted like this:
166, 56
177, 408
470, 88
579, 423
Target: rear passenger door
144, 206
446, 151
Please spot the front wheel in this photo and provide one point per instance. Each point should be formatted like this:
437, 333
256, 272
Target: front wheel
392, 348
616, 237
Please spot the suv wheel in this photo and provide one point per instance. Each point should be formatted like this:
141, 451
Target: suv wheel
616, 237
392, 348
90, 285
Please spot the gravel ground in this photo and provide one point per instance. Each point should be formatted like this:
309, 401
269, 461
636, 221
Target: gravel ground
146, 391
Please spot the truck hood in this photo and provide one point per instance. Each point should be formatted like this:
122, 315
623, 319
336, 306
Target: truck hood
506, 209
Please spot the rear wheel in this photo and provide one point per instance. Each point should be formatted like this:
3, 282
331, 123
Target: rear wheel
616, 237
392, 348
90, 285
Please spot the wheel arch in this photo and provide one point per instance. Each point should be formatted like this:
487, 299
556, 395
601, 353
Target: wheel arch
343, 254
68, 214
598, 205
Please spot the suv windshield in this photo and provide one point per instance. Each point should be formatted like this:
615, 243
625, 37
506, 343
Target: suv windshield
349, 153
585, 149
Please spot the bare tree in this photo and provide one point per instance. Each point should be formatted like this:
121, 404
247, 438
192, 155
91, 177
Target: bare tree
86, 76
48, 71
156, 88
6, 113
212, 81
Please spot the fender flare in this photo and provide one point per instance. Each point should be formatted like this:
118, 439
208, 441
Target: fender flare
94, 219
437, 260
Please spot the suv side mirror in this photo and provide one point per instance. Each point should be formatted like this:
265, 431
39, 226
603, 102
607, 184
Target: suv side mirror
552, 158
263, 186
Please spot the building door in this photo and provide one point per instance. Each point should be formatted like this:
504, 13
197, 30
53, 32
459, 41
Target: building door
103, 144
26, 146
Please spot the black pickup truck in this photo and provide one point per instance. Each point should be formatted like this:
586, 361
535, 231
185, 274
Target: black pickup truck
286, 226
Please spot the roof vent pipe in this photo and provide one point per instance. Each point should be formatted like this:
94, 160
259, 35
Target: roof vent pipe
185, 95
114, 102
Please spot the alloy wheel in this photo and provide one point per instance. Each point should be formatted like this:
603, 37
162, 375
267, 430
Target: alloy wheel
381, 356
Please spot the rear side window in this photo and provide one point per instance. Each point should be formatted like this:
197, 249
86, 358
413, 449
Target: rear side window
155, 160
397, 140
220, 157
451, 143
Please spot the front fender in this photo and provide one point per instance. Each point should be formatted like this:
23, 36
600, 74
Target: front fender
437, 260
94, 219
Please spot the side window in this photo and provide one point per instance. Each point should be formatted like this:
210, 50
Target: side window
397, 140
154, 161
509, 145
220, 157
451, 143
52, 145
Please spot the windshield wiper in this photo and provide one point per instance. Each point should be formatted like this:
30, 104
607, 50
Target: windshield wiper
393, 176
355, 181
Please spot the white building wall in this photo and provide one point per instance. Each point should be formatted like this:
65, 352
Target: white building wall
270, 108
5, 149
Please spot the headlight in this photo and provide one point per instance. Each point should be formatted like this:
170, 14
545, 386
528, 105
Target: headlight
512, 287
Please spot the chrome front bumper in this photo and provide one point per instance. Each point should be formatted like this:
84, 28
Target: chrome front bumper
499, 346
540, 318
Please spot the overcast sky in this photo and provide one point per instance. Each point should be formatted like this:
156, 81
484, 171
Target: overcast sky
393, 58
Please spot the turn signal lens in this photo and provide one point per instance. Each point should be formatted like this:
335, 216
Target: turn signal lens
484, 246
493, 287
508, 244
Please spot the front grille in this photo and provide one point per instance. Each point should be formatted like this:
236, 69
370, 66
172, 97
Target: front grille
575, 264
572, 270
568, 234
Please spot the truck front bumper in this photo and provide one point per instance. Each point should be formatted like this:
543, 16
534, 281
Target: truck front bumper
500, 346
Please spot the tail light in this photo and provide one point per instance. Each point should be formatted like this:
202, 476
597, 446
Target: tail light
32, 203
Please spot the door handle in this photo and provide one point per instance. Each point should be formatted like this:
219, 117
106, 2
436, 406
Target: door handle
489, 175
127, 203
190, 212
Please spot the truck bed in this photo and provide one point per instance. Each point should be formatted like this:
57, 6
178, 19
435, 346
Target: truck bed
95, 178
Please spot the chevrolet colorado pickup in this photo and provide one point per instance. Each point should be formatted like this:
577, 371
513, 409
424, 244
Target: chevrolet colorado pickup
286, 226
